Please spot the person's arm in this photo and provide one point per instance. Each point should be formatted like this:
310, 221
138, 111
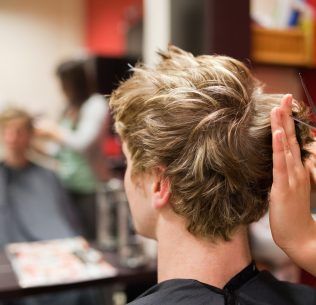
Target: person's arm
91, 121
92, 117
292, 226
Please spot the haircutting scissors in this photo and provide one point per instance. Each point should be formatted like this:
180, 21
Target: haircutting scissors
310, 103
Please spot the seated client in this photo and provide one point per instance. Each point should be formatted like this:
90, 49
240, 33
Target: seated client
33, 204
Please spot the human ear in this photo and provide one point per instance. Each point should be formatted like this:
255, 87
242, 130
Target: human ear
161, 191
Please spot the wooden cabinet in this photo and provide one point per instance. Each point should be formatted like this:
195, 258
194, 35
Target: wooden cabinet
284, 47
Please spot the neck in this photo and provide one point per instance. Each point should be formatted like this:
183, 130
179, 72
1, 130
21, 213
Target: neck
16, 160
183, 256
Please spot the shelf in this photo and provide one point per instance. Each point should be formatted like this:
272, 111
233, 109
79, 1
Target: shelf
285, 47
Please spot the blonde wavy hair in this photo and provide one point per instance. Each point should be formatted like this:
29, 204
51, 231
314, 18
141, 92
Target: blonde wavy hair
13, 113
206, 120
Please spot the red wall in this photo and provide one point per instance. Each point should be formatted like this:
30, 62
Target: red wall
107, 22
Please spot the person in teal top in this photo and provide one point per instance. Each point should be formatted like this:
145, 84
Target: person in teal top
77, 131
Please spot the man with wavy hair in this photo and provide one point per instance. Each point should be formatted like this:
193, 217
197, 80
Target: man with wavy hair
196, 134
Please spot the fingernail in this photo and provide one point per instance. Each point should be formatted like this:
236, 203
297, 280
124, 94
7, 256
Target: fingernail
278, 135
289, 98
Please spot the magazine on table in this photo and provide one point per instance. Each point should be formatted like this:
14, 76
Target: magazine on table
58, 261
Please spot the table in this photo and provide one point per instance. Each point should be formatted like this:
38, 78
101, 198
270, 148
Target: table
9, 287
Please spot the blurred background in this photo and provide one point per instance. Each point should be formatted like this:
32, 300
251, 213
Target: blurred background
60, 59
37, 35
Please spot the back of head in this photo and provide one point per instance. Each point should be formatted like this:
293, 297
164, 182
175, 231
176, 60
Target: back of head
207, 122
75, 81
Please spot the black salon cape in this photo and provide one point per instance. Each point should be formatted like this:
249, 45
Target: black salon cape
249, 287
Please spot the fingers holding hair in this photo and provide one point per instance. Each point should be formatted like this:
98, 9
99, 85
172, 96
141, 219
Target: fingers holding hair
288, 168
288, 125
280, 171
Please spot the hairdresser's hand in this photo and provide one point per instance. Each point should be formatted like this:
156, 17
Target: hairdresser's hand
48, 129
292, 226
